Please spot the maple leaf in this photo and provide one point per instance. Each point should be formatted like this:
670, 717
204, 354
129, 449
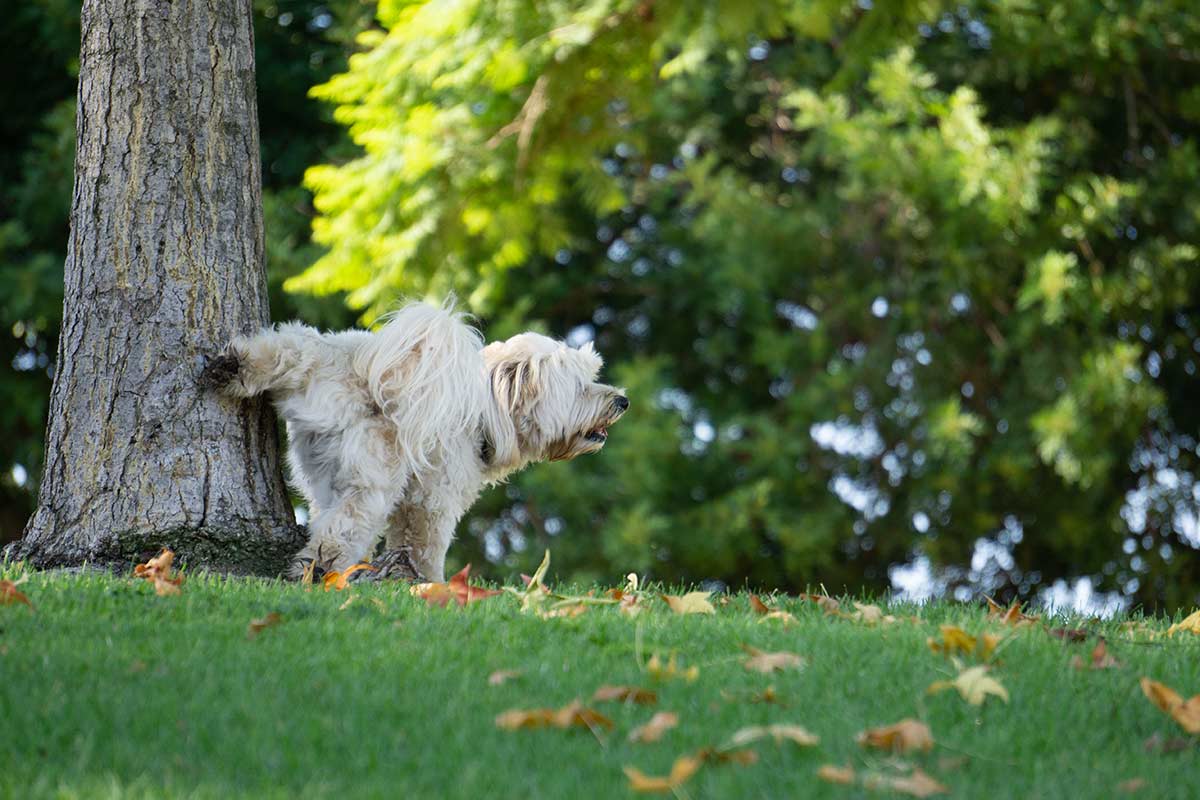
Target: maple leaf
158, 570
956, 640
457, 589
690, 603
917, 784
780, 733
10, 594
501, 676
257, 626
766, 663
625, 694
758, 606
766, 612
1190, 624
973, 684
1010, 616
1185, 712
339, 580
1100, 658
871, 615
683, 769
834, 774
660, 671
653, 730
574, 714
906, 736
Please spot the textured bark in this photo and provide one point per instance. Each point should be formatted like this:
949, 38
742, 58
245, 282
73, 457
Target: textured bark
164, 265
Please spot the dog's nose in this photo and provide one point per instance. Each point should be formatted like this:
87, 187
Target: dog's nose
621, 403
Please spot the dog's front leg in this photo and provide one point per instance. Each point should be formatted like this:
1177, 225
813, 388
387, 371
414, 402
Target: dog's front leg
427, 532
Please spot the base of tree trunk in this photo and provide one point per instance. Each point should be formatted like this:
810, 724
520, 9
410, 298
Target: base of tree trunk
242, 548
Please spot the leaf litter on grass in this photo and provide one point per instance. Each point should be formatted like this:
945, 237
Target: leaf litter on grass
766, 663
973, 684
1185, 712
10, 594
654, 730
158, 571
457, 589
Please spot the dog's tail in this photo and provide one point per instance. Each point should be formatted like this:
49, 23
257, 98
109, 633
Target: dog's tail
426, 374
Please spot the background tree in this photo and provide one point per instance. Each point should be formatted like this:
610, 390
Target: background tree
915, 282
165, 264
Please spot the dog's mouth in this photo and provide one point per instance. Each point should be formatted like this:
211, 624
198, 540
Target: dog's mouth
597, 435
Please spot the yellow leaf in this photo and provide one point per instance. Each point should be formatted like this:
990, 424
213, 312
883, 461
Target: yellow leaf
1010, 616
1190, 624
683, 768
766, 663
956, 640
690, 603
338, 580
906, 736
653, 730
1185, 712
871, 615
660, 671
831, 774
158, 570
780, 733
973, 684
574, 714
501, 676
918, 784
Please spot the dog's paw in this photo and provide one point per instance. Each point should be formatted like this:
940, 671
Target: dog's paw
219, 372
305, 570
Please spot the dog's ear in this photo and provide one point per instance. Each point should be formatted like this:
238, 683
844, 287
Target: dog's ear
515, 382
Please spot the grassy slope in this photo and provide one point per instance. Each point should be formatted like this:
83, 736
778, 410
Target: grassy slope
108, 690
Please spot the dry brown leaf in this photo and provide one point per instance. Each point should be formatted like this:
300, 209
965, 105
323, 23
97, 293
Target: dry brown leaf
257, 626
1189, 624
340, 580
1185, 712
670, 670
1009, 616
758, 606
973, 684
780, 733
683, 769
1132, 785
653, 730
564, 610
767, 663
906, 736
690, 603
917, 784
502, 676
456, 589
1069, 634
625, 694
726, 756
1173, 744
833, 774
826, 603
574, 714
871, 615
158, 570
1100, 659
10, 594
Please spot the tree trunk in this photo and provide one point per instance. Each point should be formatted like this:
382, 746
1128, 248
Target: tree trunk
164, 265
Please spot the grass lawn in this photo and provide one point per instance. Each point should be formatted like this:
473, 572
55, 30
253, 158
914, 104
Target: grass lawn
107, 690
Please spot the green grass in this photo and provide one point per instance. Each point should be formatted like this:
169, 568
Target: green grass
109, 691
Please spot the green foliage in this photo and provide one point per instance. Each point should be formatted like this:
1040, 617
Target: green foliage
882, 282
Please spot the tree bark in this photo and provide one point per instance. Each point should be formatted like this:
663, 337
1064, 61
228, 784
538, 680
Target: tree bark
164, 266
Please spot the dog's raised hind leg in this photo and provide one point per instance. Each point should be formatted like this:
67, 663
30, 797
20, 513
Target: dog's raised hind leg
270, 360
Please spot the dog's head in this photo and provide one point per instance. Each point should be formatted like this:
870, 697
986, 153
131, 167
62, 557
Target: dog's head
549, 392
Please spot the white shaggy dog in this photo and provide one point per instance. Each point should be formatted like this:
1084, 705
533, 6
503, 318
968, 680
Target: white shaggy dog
395, 432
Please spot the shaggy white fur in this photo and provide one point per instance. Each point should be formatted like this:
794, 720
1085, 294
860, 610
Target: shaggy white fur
394, 433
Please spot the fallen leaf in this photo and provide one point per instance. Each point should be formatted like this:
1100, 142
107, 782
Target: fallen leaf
501, 676
1185, 712
780, 733
457, 589
574, 714
833, 774
917, 784
1190, 624
905, 736
1100, 659
1173, 744
660, 671
766, 612
653, 730
683, 768
1132, 785
722, 755
871, 615
158, 570
10, 594
758, 606
690, 603
257, 626
564, 610
826, 603
349, 602
973, 684
1010, 616
956, 640
1069, 634
625, 694
339, 580
766, 663
306, 577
